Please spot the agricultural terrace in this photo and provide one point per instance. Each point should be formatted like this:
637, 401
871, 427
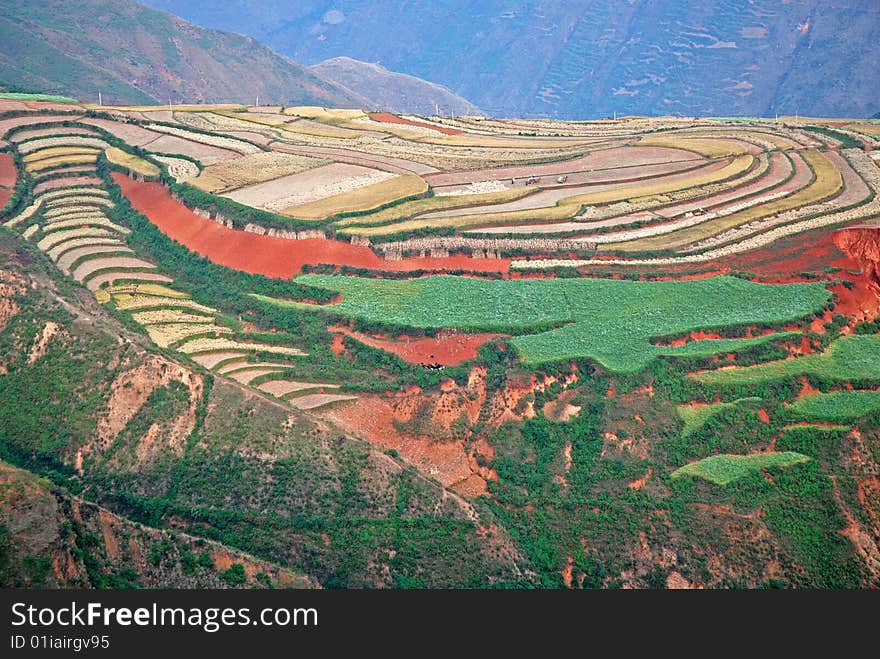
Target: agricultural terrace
847, 358
696, 415
614, 322
836, 406
725, 469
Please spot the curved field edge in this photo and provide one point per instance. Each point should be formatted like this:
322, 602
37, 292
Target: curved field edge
614, 322
725, 468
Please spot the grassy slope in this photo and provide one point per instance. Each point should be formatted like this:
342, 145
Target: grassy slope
850, 357
251, 474
82, 48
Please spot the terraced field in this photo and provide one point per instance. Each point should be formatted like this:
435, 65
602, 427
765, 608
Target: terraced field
656, 320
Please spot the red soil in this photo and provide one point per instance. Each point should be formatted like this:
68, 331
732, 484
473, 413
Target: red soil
762, 414
388, 118
337, 346
5, 194
639, 483
267, 255
446, 350
8, 172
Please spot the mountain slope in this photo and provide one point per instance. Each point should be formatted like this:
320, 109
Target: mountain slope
134, 54
394, 92
591, 58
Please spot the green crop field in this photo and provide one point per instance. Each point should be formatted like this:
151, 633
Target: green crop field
837, 406
848, 358
696, 417
612, 321
51, 98
725, 468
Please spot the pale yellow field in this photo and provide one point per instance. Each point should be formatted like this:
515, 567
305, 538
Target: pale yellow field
55, 151
215, 345
828, 181
361, 199
254, 168
432, 204
169, 316
127, 302
565, 208
48, 163
131, 162
166, 334
324, 114
705, 146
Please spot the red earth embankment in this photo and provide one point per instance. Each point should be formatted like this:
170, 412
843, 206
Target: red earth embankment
268, 255
8, 172
444, 349
8, 176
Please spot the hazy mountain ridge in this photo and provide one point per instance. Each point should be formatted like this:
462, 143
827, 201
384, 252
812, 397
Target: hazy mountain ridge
391, 91
593, 57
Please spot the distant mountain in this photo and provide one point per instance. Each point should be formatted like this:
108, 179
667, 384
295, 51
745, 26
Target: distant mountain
134, 54
394, 92
590, 58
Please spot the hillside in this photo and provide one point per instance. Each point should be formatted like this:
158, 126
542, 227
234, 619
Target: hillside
591, 58
378, 350
394, 92
52, 539
134, 54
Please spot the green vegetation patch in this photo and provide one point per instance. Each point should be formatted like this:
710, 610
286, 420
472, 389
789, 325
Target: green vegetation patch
52, 98
837, 406
725, 468
847, 358
612, 321
695, 417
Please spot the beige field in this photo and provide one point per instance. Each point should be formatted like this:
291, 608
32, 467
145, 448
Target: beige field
110, 276
216, 345
361, 199
169, 316
828, 181
59, 237
208, 107
432, 204
872, 129
180, 168
307, 186
147, 289
293, 126
566, 208
314, 401
61, 141
84, 270
166, 334
74, 243
255, 168
70, 258
128, 302
48, 163
95, 222
709, 147
131, 162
